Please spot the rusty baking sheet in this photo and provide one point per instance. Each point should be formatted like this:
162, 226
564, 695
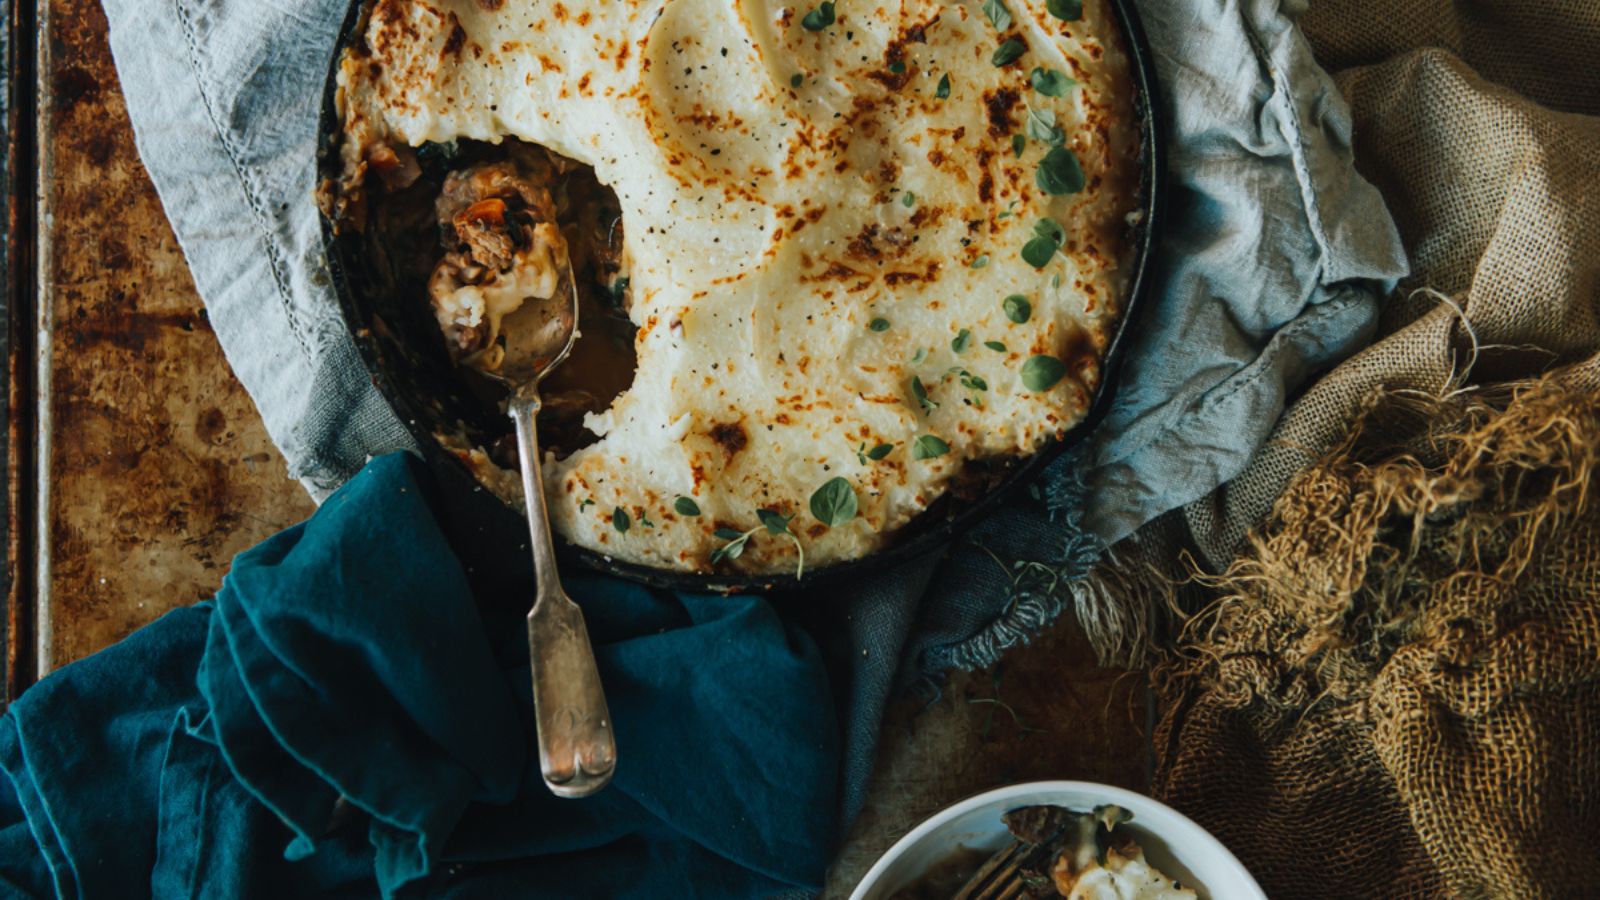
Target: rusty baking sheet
151, 468
16, 189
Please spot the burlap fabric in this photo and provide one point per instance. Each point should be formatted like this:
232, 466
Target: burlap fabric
1393, 688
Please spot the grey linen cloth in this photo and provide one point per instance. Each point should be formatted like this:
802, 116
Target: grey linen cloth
1271, 267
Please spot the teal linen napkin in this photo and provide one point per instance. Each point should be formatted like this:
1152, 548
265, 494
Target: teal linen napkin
343, 720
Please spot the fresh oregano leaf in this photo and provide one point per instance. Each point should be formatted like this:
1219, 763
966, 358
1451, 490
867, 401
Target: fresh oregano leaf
818, 18
834, 503
998, 15
928, 446
1065, 10
1059, 172
1042, 127
1048, 236
1049, 82
1008, 52
1040, 373
1037, 252
1047, 227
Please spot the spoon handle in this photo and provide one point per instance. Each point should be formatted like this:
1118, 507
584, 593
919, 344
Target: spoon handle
577, 751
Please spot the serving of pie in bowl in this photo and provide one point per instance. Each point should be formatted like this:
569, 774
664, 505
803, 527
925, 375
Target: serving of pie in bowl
841, 266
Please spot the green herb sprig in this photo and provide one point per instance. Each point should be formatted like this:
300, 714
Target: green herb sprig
734, 547
875, 454
974, 384
774, 522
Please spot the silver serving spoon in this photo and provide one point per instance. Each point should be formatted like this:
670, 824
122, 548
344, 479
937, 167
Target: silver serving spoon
577, 751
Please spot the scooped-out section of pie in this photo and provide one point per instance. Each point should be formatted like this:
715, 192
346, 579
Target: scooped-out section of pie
835, 260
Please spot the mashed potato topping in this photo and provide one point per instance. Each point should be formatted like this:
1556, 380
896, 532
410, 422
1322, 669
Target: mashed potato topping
1123, 875
866, 241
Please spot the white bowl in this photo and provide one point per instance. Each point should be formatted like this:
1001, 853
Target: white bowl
1174, 844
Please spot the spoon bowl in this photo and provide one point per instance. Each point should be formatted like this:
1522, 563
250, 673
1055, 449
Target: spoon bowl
539, 334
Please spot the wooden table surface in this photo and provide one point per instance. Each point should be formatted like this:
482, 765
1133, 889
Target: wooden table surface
137, 466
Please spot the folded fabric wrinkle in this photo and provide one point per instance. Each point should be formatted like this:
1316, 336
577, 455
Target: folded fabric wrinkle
343, 719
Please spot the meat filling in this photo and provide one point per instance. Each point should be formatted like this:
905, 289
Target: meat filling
504, 221
503, 248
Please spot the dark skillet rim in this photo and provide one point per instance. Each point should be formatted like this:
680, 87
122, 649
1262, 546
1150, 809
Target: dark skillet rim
928, 537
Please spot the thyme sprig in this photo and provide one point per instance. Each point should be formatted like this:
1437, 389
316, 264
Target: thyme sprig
775, 523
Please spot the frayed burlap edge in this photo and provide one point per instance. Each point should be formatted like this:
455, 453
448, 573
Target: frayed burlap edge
1492, 472
1409, 645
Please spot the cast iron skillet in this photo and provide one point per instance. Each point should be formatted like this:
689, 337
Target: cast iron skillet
399, 342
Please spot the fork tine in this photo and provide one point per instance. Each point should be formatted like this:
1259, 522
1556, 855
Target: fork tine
1000, 878
1011, 890
976, 886
1007, 882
